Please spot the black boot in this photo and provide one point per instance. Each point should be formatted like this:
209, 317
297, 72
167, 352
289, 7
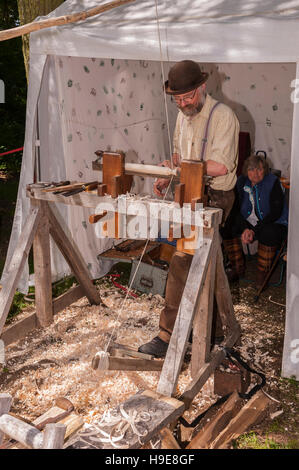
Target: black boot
156, 347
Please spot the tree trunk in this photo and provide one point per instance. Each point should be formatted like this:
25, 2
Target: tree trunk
28, 11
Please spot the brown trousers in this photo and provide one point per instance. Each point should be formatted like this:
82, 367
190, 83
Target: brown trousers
179, 269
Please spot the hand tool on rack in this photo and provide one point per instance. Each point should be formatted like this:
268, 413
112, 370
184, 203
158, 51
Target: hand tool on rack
72, 187
84, 187
53, 185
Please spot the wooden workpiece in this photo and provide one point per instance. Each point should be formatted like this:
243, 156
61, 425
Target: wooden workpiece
192, 181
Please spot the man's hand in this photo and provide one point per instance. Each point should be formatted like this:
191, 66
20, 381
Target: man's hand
162, 183
247, 236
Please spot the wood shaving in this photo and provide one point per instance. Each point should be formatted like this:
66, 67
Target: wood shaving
56, 361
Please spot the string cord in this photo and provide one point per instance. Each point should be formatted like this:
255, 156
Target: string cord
167, 120
166, 192
163, 78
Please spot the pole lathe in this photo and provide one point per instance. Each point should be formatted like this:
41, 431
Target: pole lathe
117, 176
117, 179
138, 169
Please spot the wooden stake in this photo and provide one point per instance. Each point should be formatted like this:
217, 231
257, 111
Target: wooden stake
255, 409
54, 436
167, 440
61, 20
22, 432
202, 323
221, 419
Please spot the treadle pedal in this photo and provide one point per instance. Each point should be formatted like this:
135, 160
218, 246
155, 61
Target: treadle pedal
121, 358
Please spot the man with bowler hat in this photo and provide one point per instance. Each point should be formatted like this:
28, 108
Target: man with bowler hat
205, 130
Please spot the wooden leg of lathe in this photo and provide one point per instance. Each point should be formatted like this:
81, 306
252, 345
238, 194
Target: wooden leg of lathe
182, 328
17, 263
72, 255
42, 270
202, 323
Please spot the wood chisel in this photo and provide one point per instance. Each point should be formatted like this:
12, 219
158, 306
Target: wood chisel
84, 187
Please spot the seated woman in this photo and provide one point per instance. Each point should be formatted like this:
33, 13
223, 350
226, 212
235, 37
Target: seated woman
260, 213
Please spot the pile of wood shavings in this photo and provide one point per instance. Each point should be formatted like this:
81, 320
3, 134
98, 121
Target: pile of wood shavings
56, 361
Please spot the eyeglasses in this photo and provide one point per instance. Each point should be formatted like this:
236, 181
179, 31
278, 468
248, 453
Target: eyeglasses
186, 99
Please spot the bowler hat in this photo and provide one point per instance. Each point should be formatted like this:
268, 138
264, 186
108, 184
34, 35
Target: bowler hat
184, 76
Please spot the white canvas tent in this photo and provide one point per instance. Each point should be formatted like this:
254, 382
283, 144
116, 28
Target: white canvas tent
98, 83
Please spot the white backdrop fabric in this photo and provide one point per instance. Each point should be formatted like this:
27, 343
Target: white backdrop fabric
206, 30
98, 83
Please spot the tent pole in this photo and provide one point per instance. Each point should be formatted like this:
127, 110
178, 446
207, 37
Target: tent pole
290, 359
61, 20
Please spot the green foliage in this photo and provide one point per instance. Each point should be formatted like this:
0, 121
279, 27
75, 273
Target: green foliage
252, 441
12, 72
20, 301
17, 306
63, 285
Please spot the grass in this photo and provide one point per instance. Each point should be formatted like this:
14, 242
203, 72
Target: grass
292, 385
20, 301
17, 306
252, 441
60, 287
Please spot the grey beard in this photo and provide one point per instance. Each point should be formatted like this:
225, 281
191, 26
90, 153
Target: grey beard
191, 110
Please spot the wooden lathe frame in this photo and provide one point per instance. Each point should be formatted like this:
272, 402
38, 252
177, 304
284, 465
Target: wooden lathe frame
206, 280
